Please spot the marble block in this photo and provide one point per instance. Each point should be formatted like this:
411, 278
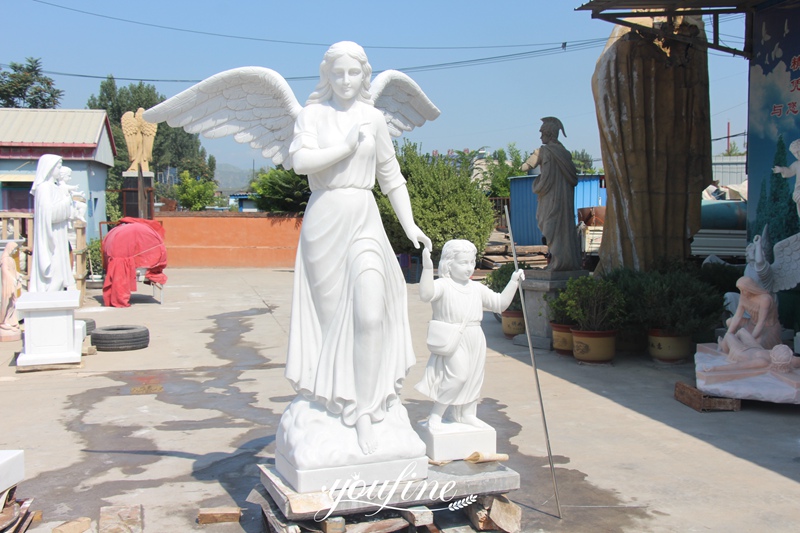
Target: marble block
51, 334
324, 478
455, 441
12, 468
457, 479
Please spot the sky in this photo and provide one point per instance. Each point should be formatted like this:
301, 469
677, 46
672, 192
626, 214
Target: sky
530, 73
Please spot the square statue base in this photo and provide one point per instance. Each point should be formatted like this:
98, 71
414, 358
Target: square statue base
325, 478
52, 336
454, 441
12, 469
537, 285
444, 484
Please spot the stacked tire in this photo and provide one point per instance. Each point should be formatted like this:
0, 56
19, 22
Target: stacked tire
120, 338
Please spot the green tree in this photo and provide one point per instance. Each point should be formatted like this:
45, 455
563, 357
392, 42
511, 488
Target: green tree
194, 194
583, 162
280, 191
500, 167
733, 150
26, 86
446, 202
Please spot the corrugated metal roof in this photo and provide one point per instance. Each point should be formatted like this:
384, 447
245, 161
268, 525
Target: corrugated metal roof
57, 127
674, 5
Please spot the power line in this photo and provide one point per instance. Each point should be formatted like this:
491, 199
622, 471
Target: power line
562, 48
279, 41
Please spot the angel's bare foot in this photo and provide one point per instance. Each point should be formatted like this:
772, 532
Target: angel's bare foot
366, 436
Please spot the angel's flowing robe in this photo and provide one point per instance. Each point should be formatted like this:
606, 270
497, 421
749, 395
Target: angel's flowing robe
52, 209
341, 238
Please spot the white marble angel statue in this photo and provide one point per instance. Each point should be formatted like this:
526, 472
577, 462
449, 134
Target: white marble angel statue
349, 341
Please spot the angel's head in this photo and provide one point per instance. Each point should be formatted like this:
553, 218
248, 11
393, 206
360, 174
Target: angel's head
324, 90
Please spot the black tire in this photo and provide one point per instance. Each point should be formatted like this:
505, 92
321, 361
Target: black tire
91, 325
120, 338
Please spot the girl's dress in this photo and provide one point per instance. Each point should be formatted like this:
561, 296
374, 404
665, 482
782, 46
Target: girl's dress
457, 379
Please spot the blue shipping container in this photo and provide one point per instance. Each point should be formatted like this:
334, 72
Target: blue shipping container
524, 204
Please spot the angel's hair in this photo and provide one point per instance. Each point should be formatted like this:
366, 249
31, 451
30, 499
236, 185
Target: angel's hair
449, 252
795, 146
323, 92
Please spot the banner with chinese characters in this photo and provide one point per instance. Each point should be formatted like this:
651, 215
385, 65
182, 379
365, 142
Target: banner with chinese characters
773, 140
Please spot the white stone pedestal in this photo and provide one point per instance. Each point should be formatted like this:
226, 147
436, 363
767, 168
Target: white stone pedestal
52, 336
12, 468
536, 285
454, 441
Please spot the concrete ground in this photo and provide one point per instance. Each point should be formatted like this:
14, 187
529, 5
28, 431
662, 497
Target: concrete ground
180, 426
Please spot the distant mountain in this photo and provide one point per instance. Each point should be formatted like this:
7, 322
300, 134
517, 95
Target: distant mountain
232, 178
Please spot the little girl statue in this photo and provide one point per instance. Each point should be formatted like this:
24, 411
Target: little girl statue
455, 380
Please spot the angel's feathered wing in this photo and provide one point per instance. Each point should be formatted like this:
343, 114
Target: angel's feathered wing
253, 104
402, 102
786, 268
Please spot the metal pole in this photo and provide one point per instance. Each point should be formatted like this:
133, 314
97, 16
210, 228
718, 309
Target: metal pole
533, 364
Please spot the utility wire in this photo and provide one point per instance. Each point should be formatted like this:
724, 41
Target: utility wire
279, 41
562, 48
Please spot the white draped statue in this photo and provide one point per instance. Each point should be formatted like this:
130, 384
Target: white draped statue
53, 208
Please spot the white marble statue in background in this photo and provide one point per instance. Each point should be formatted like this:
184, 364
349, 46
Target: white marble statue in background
53, 208
349, 340
792, 170
455, 380
11, 282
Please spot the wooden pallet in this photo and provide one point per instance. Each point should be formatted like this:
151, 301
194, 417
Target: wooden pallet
701, 402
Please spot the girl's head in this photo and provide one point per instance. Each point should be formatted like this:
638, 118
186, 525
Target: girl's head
323, 91
450, 252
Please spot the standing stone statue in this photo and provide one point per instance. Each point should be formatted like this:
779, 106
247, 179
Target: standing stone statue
11, 281
555, 188
139, 137
349, 339
53, 208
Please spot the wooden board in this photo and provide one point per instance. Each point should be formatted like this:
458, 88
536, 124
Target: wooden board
701, 402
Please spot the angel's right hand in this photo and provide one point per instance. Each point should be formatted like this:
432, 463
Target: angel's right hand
352, 137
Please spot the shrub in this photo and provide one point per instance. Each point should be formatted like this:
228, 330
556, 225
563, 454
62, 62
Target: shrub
95, 257
679, 303
595, 304
281, 191
446, 203
557, 309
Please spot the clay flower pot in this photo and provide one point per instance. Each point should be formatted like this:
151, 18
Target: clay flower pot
594, 346
513, 323
668, 348
562, 338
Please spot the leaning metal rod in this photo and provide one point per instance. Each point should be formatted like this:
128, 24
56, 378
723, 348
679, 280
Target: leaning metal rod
533, 363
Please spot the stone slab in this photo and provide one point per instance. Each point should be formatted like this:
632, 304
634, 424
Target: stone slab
12, 468
454, 441
323, 478
121, 519
467, 479
537, 285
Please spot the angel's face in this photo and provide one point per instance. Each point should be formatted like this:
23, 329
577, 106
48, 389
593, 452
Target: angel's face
346, 77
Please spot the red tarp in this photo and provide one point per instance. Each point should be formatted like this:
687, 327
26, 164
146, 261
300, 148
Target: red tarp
134, 243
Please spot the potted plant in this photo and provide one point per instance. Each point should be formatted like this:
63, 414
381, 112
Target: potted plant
632, 334
597, 306
512, 318
560, 323
675, 305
